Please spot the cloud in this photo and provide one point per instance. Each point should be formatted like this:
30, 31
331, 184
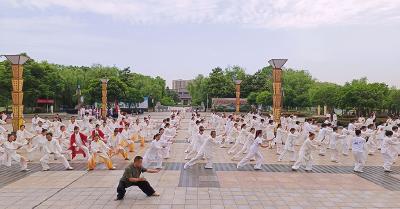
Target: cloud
254, 13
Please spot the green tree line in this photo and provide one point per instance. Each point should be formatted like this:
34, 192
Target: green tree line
60, 82
300, 90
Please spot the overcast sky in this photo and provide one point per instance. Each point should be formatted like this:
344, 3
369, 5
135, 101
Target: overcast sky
335, 40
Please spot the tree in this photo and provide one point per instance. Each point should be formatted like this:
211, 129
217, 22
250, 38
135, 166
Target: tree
252, 98
198, 90
264, 98
167, 101
324, 94
172, 94
296, 85
219, 85
363, 96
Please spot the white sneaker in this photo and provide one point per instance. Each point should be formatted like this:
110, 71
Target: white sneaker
185, 166
70, 168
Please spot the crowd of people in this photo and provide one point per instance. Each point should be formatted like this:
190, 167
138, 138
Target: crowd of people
243, 137
96, 140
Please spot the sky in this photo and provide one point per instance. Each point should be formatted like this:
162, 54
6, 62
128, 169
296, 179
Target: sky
335, 40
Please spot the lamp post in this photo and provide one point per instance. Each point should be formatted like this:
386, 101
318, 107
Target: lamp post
277, 87
104, 97
237, 84
17, 84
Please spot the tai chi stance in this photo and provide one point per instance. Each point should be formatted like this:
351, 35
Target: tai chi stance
131, 177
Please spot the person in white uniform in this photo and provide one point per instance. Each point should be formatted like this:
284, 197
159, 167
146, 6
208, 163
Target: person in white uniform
153, 153
52, 147
198, 142
10, 153
247, 144
206, 151
389, 149
305, 153
289, 146
335, 143
357, 146
254, 152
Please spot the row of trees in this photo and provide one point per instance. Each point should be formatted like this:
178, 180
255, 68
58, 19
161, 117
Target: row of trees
300, 90
60, 82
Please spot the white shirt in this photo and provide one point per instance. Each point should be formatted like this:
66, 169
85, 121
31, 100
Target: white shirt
357, 144
254, 147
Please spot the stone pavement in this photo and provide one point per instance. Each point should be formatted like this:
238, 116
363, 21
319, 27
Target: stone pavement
330, 185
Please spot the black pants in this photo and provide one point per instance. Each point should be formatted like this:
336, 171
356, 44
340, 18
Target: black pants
143, 185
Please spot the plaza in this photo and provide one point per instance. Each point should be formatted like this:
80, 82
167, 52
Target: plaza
329, 185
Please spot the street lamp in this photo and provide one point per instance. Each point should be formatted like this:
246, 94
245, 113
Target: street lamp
17, 84
237, 85
104, 97
277, 87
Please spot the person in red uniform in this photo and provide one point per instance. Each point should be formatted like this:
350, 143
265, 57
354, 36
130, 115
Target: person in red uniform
79, 143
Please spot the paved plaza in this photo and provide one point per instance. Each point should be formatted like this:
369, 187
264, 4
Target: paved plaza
330, 185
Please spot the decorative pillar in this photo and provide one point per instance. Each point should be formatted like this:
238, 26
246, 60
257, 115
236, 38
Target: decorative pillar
319, 110
17, 84
104, 97
277, 87
237, 85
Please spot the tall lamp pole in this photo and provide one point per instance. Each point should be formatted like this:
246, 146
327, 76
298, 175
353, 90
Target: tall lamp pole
277, 65
17, 62
237, 85
104, 97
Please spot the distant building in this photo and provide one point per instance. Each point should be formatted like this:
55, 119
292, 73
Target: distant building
181, 87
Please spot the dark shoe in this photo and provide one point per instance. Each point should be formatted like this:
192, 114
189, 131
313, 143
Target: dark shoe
118, 198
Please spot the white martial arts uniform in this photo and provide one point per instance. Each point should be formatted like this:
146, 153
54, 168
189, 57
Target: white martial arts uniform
289, 147
389, 152
253, 152
206, 151
153, 154
10, 153
305, 155
357, 147
49, 148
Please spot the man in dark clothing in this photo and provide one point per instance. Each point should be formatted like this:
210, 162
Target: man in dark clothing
131, 177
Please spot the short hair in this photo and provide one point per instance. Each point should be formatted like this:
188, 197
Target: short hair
76, 128
137, 158
49, 134
389, 133
358, 132
44, 130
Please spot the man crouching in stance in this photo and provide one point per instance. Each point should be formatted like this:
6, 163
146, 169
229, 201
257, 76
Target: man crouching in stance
132, 177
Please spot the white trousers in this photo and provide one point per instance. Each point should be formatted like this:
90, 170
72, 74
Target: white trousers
44, 161
292, 155
335, 154
199, 156
249, 156
359, 161
301, 161
387, 161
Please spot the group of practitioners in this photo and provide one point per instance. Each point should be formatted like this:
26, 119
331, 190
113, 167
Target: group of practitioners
244, 135
95, 140
241, 136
